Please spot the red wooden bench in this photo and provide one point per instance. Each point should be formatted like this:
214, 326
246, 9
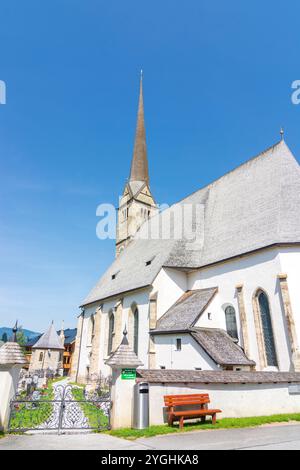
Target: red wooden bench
173, 402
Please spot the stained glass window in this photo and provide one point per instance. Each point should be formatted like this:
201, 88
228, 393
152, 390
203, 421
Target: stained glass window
135, 330
111, 329
266, 321
231, 325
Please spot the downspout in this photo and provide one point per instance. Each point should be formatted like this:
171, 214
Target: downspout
79, 354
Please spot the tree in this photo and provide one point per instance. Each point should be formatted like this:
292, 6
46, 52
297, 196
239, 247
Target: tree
21, 338
4, 338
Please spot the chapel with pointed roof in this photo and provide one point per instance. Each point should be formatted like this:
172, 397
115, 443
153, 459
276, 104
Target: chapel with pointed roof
47, 352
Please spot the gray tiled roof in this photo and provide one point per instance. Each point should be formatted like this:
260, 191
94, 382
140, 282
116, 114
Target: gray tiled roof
252, 207
220, 347
11, 353
186, 311
49, 340
216, 377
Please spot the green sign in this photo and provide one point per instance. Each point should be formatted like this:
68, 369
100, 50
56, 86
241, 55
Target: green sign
128, 374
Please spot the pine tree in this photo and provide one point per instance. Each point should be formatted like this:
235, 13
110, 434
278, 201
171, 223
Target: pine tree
4, 338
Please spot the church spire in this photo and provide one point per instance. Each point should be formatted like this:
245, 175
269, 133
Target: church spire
139, 164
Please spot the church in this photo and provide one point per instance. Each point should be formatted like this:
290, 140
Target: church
226, 298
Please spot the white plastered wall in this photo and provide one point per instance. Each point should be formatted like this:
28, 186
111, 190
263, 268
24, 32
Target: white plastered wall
191, 356
86, 346
9, 377
290, 265
138, 298
170, 284
235, 400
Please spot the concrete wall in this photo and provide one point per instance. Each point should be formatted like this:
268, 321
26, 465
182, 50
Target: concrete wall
9, 377
235, 401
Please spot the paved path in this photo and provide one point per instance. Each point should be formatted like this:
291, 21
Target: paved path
266, 437
263, 438
67, 442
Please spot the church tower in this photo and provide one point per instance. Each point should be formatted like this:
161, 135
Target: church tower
137, 203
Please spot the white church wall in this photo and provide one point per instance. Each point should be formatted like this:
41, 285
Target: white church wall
103, 350
170, 285
191, 355
85, 348
290, 265
141, 299
214, 315
255, 271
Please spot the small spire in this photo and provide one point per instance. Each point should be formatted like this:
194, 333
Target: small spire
15, 330
281, 133
125, 340
62, 331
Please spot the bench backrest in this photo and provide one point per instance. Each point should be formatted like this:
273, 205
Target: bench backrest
183, 400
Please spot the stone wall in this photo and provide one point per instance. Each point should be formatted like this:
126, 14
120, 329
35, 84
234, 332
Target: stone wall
42, 359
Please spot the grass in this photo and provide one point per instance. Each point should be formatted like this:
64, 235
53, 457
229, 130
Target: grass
226, 423
97, 419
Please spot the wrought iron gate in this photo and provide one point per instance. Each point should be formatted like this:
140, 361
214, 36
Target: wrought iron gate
64, 412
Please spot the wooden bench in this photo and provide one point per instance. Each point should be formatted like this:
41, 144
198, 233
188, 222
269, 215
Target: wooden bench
175, 401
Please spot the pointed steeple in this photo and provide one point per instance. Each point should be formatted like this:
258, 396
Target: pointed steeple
49, 340
139, 164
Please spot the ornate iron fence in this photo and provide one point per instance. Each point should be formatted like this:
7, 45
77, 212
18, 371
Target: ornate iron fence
66, 411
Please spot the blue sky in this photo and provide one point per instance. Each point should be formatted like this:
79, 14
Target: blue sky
217, 88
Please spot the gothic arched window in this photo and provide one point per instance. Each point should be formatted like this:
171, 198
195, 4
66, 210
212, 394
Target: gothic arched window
41, 357
267, 329
231, 325
135, 330
92, 327
111, 332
